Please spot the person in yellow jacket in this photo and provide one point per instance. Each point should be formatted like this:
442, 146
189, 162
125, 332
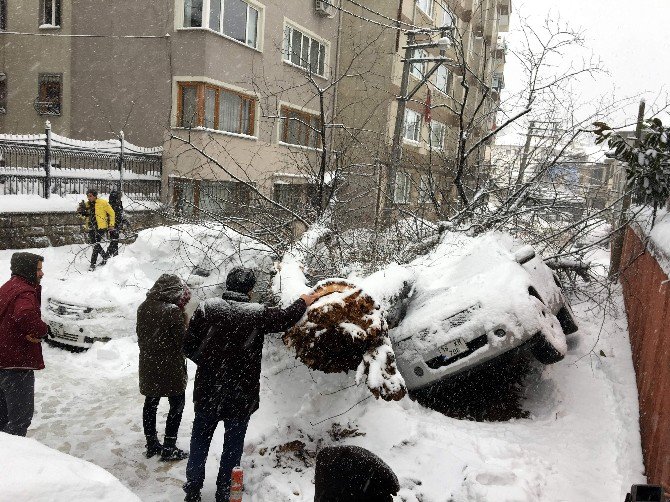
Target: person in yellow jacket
99, 218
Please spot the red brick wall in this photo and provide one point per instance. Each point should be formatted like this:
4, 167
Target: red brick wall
646, 292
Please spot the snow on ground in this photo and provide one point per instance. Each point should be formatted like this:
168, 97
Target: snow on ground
52, 475
37, 204
581, 441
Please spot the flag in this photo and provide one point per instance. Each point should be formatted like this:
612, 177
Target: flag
426, 112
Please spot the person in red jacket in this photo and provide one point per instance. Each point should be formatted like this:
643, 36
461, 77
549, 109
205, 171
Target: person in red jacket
21, 333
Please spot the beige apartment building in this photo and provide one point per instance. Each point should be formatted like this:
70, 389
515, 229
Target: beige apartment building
438, 112
235, 78
235, 89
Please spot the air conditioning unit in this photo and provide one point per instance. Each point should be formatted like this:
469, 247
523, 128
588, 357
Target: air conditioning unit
324, 7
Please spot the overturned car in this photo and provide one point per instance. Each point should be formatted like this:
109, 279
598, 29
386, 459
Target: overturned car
474, 300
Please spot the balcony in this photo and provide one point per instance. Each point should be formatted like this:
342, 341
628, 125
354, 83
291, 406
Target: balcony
504, 10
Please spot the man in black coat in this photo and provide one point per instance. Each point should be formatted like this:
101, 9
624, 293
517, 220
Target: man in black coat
225, 339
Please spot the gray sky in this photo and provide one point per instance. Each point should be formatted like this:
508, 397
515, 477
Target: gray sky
630, 37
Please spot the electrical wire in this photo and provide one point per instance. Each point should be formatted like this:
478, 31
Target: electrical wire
65, 35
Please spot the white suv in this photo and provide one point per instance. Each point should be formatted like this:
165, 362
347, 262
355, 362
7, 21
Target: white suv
465, 311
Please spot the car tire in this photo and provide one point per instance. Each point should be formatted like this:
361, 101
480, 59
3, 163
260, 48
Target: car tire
544, 351
568, 324
542, 348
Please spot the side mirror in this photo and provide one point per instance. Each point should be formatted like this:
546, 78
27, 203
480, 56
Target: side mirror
524, 254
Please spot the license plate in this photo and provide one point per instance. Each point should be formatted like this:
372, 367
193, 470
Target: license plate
453, 348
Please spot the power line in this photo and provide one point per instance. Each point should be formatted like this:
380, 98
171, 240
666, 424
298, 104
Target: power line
64, 35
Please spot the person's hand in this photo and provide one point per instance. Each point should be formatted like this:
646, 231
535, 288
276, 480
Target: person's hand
33, 339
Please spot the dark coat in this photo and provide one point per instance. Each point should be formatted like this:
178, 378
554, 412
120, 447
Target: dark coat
225, 339
352, 474
160, 335
20, 303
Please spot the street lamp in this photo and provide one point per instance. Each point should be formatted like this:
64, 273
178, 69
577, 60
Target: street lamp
442, 44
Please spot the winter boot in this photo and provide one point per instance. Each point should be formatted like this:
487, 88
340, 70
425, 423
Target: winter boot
153, 447
192, 497
92, 267
170, 452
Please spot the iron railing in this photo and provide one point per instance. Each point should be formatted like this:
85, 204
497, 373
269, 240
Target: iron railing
50, 164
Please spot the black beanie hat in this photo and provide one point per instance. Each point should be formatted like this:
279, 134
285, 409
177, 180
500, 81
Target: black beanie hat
25, 265
241, 280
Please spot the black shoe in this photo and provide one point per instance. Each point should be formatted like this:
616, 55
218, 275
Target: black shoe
103, 262
92, 267
153, 448
192, 497
170, 452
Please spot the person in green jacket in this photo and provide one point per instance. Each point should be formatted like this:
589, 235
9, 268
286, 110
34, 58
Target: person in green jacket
161, 326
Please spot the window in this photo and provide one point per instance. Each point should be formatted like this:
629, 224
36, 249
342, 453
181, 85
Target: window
426, 6
448, 18
50, 12
3, 15
418, 69
424, 188
50, 88
497, 82
192, 13
437, 130
3, 93
204, 105
300, 128
412, 126
236, 19
304, 51
443, 79
402, 185
193, 196
295, 196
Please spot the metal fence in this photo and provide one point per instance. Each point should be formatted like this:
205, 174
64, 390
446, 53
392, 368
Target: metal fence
48, 164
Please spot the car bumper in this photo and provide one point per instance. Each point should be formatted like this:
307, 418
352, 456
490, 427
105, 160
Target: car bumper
74, 335
430, 367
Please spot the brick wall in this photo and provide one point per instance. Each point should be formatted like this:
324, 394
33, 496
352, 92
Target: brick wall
38, 230
647, 298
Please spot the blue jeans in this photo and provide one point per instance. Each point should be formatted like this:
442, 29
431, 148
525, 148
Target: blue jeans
17, 400
204, 426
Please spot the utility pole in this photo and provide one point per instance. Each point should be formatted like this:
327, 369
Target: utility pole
396, 150
404, 96
616, 246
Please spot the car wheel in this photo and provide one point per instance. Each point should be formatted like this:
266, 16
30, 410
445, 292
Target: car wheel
544, 351
546, 347
568, 323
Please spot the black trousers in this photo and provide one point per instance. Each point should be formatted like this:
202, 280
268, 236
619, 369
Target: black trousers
173, 418
17, 400
113, 249
94, 237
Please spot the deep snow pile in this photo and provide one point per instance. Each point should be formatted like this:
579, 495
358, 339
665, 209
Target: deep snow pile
37, 204
201, 256
32, 471
581, 441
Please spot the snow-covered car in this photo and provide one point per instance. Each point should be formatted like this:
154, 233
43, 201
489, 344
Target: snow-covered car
78, 326
475, 300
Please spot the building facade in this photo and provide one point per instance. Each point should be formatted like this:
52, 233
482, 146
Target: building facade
457, 93
245, 94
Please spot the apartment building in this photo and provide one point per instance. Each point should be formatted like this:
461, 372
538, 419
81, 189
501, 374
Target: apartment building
441, 109
235, 78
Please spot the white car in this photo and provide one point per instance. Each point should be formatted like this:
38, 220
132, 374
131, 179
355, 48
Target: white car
474, 303
78, 326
